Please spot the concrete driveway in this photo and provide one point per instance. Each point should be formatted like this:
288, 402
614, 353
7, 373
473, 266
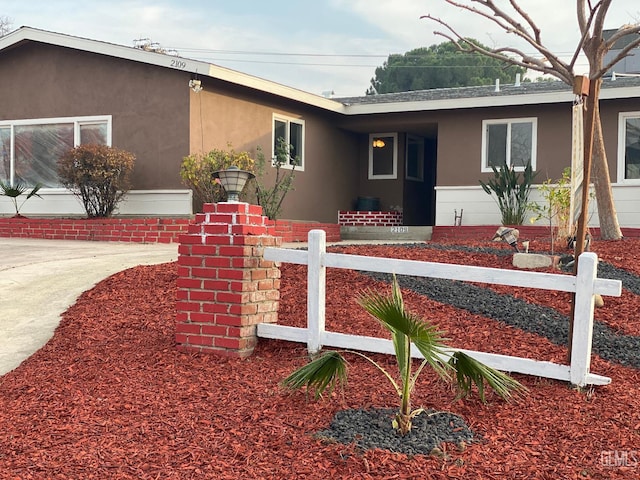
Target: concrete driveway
40, 279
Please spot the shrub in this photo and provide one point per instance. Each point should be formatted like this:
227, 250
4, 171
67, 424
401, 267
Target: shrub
98, 175
197, 172
511, 191
556, 208
271, 198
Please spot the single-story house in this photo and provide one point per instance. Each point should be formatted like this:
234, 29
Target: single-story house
420, 153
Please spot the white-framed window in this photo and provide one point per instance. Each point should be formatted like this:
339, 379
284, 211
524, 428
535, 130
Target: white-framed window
512, 141
629, 147
383, 156
30, 149
414, 167
291, 131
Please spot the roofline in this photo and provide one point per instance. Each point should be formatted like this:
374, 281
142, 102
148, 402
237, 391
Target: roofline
249, 81
484, 102
167, 61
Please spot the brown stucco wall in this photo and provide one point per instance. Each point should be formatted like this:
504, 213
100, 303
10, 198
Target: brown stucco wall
149, 105
460, 139
244, 119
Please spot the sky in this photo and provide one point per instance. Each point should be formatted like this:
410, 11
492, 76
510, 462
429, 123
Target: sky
318, 46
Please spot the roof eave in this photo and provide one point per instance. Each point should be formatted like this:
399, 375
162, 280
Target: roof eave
484, 102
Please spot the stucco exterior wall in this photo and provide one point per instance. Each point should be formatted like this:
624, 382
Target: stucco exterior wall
149, 105
236, 116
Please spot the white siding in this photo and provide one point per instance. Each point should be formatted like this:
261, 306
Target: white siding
136, 202
481, 209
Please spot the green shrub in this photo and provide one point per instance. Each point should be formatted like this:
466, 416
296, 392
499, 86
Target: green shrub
98, 175
556, 207
271, 198
511, 191
197, 172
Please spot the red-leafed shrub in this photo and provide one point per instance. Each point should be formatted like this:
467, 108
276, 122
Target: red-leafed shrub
98, 175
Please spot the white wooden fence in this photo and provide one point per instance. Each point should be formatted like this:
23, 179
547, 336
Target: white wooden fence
585, 285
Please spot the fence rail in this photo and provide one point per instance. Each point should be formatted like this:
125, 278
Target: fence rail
585, 285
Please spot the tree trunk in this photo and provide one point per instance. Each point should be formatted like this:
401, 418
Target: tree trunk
609, 226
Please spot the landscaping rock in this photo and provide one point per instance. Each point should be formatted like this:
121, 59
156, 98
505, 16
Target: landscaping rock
535, 260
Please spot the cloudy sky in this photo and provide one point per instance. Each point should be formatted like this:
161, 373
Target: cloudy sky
316, 46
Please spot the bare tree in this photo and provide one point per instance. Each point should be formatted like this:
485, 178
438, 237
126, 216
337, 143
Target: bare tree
591, 17
5, 25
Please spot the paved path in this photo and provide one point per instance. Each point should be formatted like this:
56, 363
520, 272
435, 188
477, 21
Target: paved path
40, 279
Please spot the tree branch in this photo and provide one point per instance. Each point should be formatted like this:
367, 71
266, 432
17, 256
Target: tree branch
556, 67
623, 53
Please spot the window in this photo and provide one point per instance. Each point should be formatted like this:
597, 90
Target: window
30, 149
383, 156
629, 147
511, 141
415, 158
292, 132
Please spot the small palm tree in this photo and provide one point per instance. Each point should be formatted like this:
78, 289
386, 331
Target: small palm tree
331, 368
16, 190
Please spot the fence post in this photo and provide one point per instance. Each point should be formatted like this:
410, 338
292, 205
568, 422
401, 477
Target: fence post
583, 318
317, 286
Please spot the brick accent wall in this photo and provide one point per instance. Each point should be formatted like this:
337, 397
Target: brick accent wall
225, 287
294, 231
143, 230
357, 218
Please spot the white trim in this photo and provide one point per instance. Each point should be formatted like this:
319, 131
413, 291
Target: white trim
75, 121
61, 202
488, 101
622, 117
394, 174
484, 166
288, 121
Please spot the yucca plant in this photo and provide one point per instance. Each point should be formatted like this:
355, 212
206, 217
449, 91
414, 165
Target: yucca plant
330, 369
511, 191
14, 191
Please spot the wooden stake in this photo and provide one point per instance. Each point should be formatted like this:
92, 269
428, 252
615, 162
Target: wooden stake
589, 128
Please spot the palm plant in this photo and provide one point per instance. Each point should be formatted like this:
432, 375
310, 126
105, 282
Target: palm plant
330, 369
14, 191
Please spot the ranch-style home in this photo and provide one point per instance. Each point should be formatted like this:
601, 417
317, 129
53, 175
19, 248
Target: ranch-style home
420, 153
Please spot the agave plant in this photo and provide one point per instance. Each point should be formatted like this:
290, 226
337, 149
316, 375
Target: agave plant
330, 369
14, 191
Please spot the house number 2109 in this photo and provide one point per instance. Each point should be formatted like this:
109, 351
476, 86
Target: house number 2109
178, 63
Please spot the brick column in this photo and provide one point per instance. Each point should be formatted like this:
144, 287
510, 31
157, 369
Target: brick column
225, 287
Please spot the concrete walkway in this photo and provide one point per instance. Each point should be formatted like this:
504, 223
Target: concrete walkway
41, 279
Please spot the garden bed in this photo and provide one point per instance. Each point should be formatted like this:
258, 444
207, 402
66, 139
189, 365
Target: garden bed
110, 396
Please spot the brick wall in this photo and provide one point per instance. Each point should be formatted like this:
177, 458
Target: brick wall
225, 287
143, 230
294, 231
369, 218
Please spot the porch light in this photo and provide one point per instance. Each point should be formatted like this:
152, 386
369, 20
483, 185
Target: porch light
378, 143
233, 180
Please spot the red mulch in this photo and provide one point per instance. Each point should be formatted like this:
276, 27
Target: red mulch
110, 396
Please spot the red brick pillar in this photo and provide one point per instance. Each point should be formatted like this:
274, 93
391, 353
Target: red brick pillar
225, 287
